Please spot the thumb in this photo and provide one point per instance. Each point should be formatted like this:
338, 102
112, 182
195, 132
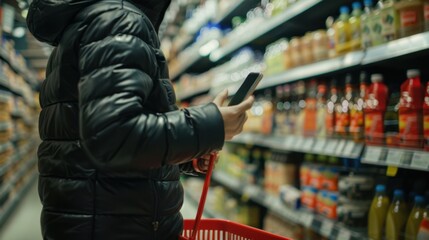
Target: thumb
246, 104
221, 98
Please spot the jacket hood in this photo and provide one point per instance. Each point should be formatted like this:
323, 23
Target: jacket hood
47, 19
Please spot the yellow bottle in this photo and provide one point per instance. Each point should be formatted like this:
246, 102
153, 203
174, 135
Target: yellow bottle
415, 218
389, 20
396, 216
377, 213
355, 27
342, 31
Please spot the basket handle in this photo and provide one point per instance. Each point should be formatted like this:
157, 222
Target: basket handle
213, 157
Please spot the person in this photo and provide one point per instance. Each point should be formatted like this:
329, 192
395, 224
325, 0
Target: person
113, 140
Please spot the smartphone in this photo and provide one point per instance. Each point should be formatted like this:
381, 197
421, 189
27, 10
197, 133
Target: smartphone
246, 89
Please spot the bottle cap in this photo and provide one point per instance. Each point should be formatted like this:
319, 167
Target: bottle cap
380, 188
349, 79
398, 193
419, 199
356, 5
376, 78
344, 10
413, 73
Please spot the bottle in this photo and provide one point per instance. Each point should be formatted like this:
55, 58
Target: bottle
377, 213
356, 111
389, 20
330, 108
321, 110
426, 117
426, 14
300, 109
396, 216
268, 113
330, 32
366, 24
376, 25
355, 26
288, 109
342, 109
342, 31
280, 113
310, 118
410, 111
423, 233
415, 218
391, 120
410, 17
374, 109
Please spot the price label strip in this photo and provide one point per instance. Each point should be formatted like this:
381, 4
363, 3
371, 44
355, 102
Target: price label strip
299, 144
340, 147
348, 150
331, 147
373, 154
320, 145
394, 157
308, 144
326, 229
289, 142
344, 234
420, 160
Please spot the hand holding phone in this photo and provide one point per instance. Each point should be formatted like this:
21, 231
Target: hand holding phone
247, 88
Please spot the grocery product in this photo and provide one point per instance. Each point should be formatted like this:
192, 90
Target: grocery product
309, 198
330, 108
375, 109
342, 109
389, 20
377, 213
366, 25
423, 233
268, 112
321, 111
330, 33
410, 17
426, 117
356, 111
299, 108
415, 218
295, 48
310, 111
280, 115
426, 14
376, 26
307, 48
320, 45
391, 120
396, 216
355, 26
356, 187
354, 214
342, 31
410, 111
330, 177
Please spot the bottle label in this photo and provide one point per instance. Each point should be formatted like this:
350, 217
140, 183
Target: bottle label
356, 121
408, 18
374, 127
330, 123
389, 20
342, 123
410, 132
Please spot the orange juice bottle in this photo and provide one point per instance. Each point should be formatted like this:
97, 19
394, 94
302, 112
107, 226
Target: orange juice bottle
396, 216
410, 111
377, 213
415, 218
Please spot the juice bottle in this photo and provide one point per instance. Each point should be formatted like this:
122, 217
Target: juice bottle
356, 111
423, 233
310, 123
342, 109
410, 17
396, 216
330, 108
355, 26
426, 118
330, 32
410, 111
426, 14
377, 26
389, 20
415, 218
366, 24
374, 109
321, 110
342, 31
377, 213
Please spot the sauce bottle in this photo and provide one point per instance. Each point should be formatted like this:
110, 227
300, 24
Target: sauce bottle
321, 110
342, 123
356, 111
330, 108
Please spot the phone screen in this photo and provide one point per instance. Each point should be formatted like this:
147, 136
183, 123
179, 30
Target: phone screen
247, 88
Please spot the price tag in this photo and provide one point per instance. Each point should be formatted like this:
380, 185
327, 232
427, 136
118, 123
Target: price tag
391, 171
373, 154
320, 145
289, 142
331, 146
326, 228
299, 143
341, 146
308, 144
394, 157
307, 219
344, 234
348, 150
420, 160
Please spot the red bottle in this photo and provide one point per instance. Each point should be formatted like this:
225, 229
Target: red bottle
356, 112
411, 112
426, 117
330, 108
374, 109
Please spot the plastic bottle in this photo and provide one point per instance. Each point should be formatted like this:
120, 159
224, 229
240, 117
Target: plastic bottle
377, 213
300, 109
310, 124
374, 109
410, 17
389, 20
342, 123
415, 218
423, 233
396, 216
355, 27
330, 32
356, 111
330, 107
391, 119
366, 24
376, 25
267, 117
426, 118
321, 110
342, 31
426, 14
410, 111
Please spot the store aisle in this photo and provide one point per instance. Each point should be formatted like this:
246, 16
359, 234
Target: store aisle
28, 214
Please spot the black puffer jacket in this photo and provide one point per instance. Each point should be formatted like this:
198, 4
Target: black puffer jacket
113, 138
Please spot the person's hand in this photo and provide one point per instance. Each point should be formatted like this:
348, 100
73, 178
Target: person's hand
203, 163
234, 117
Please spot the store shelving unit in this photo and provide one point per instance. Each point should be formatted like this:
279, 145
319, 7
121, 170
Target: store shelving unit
324, 226
19, 70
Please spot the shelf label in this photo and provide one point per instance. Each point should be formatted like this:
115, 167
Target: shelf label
373, 154
348, 150
289, 142
341, 145
308, 144
331, 147
320, 145
344, 234
391, 171
394, 157
326, 228
307, 219
420, 160
299, 143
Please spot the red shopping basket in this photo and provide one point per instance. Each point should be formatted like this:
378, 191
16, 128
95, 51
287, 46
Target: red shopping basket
216, 229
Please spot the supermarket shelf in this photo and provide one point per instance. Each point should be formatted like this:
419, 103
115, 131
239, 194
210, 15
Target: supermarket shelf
332, 147
15, 68
5, 85
193, 93
402, 158
397, 48
349, 60
239, 8
5, 146
323, 226
11, 205
207, 211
